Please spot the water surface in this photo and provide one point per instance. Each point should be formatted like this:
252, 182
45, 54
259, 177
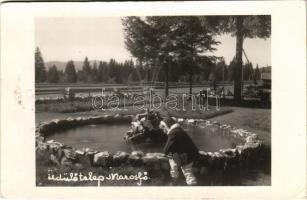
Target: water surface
111, 138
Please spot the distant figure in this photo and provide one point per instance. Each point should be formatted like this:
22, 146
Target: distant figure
202, 97
69, 94
222, 92
205, 94
181, 151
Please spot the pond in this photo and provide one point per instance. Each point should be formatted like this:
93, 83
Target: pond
109, 137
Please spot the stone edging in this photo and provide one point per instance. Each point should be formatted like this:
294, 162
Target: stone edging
63, 155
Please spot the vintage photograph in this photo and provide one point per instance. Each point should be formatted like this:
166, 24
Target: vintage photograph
178, 100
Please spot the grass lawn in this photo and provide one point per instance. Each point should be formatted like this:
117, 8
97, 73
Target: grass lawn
252, 119
128, 110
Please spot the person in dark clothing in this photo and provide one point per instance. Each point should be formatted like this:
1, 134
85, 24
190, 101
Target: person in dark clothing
181, 151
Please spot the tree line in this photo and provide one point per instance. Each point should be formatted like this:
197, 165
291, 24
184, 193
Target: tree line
172, 48
129, 71
186, 41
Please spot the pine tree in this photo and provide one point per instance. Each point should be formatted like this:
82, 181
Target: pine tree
166, 41
86, 71
53, 75
95, 75
257, 73
40, 70
241, 27
103, 74
70, 72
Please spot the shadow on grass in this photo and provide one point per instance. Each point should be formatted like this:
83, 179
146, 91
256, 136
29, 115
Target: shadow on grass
244, 103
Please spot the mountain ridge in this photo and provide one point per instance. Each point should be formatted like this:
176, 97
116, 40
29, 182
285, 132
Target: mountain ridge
62, 64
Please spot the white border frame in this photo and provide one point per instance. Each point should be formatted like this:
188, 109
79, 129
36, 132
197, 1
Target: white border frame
288, 101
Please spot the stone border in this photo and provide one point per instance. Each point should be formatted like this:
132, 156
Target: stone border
63, 155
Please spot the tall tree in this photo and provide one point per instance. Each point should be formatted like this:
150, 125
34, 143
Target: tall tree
149, 41
248, 71
40, 70
94, 74
53, 75
241, 27
115, 71
257, 73
103, 73
86, 71
70, 72
192, 42
61, 76
167, 40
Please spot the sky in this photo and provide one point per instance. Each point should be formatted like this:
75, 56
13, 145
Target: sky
102, 38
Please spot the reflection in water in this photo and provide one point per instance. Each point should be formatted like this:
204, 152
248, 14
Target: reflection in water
110, 138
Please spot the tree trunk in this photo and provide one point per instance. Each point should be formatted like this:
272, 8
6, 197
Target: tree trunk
238, 67
191, 81
166, 66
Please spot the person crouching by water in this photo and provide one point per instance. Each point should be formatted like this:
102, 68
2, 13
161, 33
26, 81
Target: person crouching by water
181, 151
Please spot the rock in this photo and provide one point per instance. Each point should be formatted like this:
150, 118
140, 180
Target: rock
120, 157
84, 160
203, 153
191, 121
102, 159
70, 154
107, 118
66, 161
240, 149
135, 160
50, 141
249, 139
64, 125
97, 119
117, 118
229, 152
137, 153
42, 145
79, 152
56, 120
79, 119
55, 145
252, 145
72, 122
54, 159
203, 158
180, 120
149, 159
254, 136
208, 123
216, 123
86, 120
70, 119
158, 155
48, 127
39, 137
89, 151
